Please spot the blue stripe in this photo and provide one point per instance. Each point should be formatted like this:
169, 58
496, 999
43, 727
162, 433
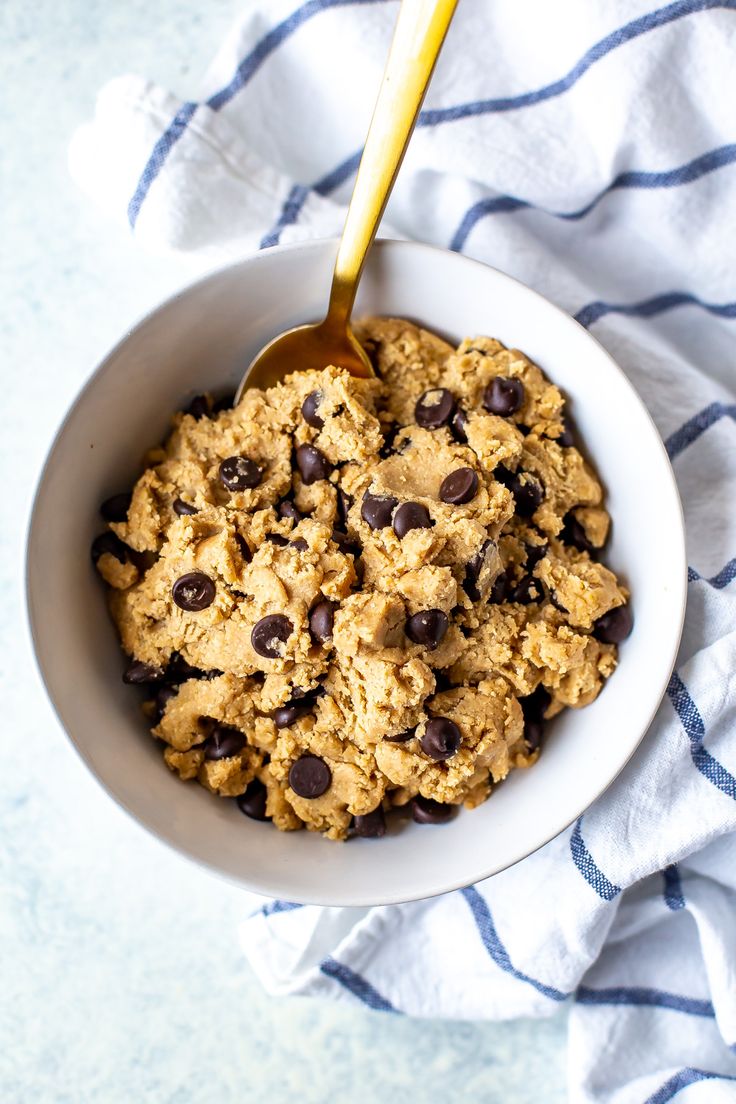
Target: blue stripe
725, 576
674, 898
692, 722
696, 426
629, 31
640, 996
495, 948
681, 1080
155, 162
356, 985
586, 865
289, 214
647, 308
329, 183
245, 71
274, 907
684, 174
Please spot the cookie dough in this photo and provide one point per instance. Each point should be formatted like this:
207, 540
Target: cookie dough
344, 596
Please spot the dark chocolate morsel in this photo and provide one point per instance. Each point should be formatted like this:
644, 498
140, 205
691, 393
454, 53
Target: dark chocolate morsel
138, 673
199, 407
566, 438
116, 507
528, 491
459, 487
425, 810
401, 737
182, 508
376, 510
164, 694
501, 589
411, 515
321, 620
473, 570
313, 465
178, 670
287, 509
459, 426
244, 547
299, 544
574, 534
193, 592
278, 539
534, 705
370, 825
344, 502
503, 396
223, 742
614, 626
535, 553
109, 544
310, 776
427, 627
441, 739
309, 410
287, 714
528, 590
270, 634
240, 473
434, 408
533, 733
253, 801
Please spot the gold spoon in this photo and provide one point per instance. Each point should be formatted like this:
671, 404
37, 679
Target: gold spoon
420, 30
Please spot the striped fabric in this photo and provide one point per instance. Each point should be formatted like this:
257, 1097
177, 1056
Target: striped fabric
588, 148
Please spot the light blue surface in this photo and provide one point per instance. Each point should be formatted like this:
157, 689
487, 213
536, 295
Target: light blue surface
122, 979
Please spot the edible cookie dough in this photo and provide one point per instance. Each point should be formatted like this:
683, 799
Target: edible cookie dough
344, 596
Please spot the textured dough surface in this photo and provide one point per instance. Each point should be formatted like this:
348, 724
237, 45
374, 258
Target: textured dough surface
368, 683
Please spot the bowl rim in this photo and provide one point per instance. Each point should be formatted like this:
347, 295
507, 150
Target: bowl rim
679, 596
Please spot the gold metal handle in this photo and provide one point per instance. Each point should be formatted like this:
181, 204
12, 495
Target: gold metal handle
420, 30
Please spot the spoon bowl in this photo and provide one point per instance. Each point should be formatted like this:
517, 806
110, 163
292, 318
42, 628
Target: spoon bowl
311, 346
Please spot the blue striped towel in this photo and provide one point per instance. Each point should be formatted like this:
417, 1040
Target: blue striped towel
590, 150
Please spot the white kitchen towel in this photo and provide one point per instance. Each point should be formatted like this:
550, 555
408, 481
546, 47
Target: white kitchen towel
589, 149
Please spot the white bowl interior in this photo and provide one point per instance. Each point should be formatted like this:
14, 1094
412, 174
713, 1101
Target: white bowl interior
202, 339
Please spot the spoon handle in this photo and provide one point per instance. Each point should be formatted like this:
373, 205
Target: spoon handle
420, 30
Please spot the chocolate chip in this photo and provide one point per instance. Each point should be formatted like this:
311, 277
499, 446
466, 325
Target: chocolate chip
199, 407
387, 448
138, 673
299, 544
427, 627
270, 634
277, 539
182, 508
376, 510
535, 705
614, 626
401, 737
239, 473
110, 545
225, 402
116, 508
434, 408
459, 425
344, 502
178, 670
459, 487
574, 534
309, 410
370, 825
287, 509
164, 694
313, 465
287, 714
529, 590
473, 570
253, 801
535, 553
425, 810
321, 620
503, 475
310, 776
345, 544
533, 733
441, 739
503, 396
566, 438
223, 742
244, 547
411, 515
528, 491
193, 592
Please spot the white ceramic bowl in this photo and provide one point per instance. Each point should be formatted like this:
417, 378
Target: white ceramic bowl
203, 338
